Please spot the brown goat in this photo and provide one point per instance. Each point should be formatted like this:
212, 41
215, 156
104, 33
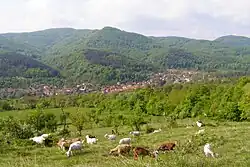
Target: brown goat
64, 144
144, 152
167, 146
121, 149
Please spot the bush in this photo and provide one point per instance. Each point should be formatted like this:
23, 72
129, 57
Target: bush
63, 132
14, 128
193, 145
39, 120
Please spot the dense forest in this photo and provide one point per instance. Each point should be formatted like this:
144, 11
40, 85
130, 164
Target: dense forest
110, 55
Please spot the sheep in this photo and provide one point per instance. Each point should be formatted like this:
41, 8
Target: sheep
125, 141
157, 131
110, 137
74, 146
121, 149
144, 152
135, 133
167, 146
199, 123
91, 140
62, 143
38, 139
91, 136
45, 135
207, 150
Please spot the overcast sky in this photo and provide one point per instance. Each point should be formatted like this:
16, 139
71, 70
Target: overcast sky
206, 19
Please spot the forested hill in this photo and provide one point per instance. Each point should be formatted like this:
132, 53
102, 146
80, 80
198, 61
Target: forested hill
109, 55
13, 64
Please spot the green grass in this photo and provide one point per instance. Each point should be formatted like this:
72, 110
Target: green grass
229, 139
22, 114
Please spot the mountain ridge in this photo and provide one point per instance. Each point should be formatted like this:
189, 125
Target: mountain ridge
110, 55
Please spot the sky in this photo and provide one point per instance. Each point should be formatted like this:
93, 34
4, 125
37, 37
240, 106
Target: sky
202, 19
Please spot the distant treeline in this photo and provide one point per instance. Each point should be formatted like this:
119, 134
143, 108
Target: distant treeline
225, 100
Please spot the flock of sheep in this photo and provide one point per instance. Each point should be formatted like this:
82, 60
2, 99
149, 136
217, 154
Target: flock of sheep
124, 146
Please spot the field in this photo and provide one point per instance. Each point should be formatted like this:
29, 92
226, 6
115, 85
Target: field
228, 139
23, 113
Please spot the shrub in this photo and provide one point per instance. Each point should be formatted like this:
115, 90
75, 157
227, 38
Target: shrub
14, 128
193, 145
39, 120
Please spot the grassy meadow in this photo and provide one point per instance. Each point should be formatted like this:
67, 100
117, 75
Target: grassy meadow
21, 114
228, 139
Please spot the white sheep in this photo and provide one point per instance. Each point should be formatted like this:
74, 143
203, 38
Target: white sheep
45, 135
74, 146
199, 123
38, 139
207, 150
125, 141
135, 133
157, 131
91, 140
110, 137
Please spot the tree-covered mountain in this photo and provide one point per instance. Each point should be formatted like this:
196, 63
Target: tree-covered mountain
13, 64
234, 41
109, 55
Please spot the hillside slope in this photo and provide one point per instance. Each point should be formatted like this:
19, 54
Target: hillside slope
109, 55
13, 64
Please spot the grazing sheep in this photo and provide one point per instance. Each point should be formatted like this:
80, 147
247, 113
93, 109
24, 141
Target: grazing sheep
135, 133
157, 131
199, 123
110, 137
45, 135
38, 139
167, 146
63, 144
125, 141
144, 152
91, 140
74, 146
207, 150
91, 136
121, 149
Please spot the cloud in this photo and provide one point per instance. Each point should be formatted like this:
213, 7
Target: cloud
190, 18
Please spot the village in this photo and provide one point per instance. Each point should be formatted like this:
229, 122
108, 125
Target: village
158, 79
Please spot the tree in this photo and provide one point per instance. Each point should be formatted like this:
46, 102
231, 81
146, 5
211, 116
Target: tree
14, 128
78, 119
6, 106
40, 120
50, 122
37, 120
63, 119
138, 117
118, 120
